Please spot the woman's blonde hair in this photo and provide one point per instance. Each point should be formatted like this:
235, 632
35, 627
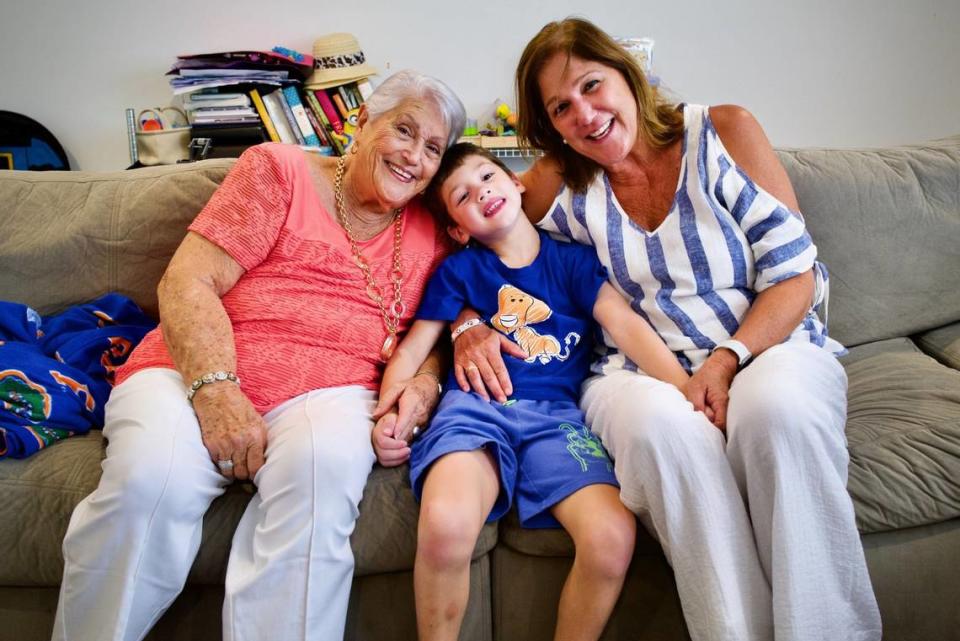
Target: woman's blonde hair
659, 121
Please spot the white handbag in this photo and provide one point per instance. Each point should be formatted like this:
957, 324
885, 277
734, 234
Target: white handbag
165, 146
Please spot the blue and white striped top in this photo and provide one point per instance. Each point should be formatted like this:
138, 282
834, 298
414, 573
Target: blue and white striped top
694, 277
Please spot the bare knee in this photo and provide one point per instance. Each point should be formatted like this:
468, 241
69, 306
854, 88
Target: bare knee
446, 535
605, 545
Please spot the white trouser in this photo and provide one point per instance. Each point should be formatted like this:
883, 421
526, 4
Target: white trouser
759, 528
131, 543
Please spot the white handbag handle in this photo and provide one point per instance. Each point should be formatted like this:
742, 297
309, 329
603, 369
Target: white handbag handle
178, 119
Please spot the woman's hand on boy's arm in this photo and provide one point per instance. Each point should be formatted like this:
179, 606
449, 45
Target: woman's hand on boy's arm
636, 338
411, 401
409, 388
478, 362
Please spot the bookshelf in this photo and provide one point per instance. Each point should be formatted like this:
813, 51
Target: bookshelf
501, 146
236, 99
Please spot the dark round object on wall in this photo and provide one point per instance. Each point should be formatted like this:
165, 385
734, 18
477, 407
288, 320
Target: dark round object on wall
26, 144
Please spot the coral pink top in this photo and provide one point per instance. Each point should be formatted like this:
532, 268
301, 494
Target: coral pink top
300, 313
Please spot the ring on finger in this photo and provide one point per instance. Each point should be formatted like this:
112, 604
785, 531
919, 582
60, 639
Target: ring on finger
471, 367
225, 465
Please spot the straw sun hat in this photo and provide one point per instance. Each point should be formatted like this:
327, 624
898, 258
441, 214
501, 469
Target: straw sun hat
337, 59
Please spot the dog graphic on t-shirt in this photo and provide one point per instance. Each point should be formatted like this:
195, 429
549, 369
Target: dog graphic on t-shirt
516, 311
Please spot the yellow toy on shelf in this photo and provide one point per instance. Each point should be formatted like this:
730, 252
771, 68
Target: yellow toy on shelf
499, 138
506, 120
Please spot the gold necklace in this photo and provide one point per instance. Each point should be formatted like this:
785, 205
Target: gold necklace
391, 318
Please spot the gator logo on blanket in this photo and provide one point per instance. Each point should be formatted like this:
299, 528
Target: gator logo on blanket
24, 398
47, 436
76, 387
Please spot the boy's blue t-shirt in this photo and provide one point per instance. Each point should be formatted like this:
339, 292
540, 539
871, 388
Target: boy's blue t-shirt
545, 307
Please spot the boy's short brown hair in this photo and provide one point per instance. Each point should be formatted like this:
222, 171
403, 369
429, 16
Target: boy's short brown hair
452, 159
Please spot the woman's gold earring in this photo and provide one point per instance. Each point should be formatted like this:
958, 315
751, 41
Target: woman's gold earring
353, 147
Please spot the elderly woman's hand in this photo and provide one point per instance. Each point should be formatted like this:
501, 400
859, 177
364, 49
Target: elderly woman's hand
478, 362
709, 387
231, 429
412, 400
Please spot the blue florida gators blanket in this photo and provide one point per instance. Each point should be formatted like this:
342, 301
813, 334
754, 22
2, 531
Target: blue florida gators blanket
56, 372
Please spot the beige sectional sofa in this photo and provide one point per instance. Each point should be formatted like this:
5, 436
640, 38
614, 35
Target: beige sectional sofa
887, 223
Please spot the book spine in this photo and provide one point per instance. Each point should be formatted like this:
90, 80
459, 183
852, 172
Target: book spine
132, 135
294, 127
192, 103
314, 108
347, 95
272, 102
317, 127
344, 96
300, 116
355, 94
327, 126
365, 88
329, 110
264, 116
338, 101
328, 131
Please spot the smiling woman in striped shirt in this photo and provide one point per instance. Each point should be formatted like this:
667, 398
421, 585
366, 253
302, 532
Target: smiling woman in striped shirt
742, 478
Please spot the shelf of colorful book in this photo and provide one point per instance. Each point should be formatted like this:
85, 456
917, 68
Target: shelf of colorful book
324, 119
313, 117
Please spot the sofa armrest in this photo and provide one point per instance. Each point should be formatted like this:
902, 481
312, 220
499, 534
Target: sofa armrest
943, 344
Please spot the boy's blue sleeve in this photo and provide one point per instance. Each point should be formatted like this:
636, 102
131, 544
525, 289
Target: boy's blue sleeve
586, 275
444, 296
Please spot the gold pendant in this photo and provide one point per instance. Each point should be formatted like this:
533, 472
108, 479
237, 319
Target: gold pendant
389, 344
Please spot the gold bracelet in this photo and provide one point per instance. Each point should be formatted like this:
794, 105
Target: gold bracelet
434, 377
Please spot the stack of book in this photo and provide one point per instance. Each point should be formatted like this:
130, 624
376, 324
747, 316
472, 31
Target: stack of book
227, 119
217, 108
327, 115
238, 99
217, 89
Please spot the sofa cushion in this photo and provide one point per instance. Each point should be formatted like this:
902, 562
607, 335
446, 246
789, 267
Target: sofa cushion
943, 344
903, 431
43, 490
887, 225
69, 237
869, 350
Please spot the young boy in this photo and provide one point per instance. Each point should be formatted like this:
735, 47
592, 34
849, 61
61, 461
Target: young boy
478, 456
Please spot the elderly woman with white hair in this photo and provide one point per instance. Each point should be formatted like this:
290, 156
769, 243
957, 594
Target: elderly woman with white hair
277, 311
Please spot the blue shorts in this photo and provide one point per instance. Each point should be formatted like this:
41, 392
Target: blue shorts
544, 451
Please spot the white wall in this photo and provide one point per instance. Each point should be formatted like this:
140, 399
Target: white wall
815, 72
